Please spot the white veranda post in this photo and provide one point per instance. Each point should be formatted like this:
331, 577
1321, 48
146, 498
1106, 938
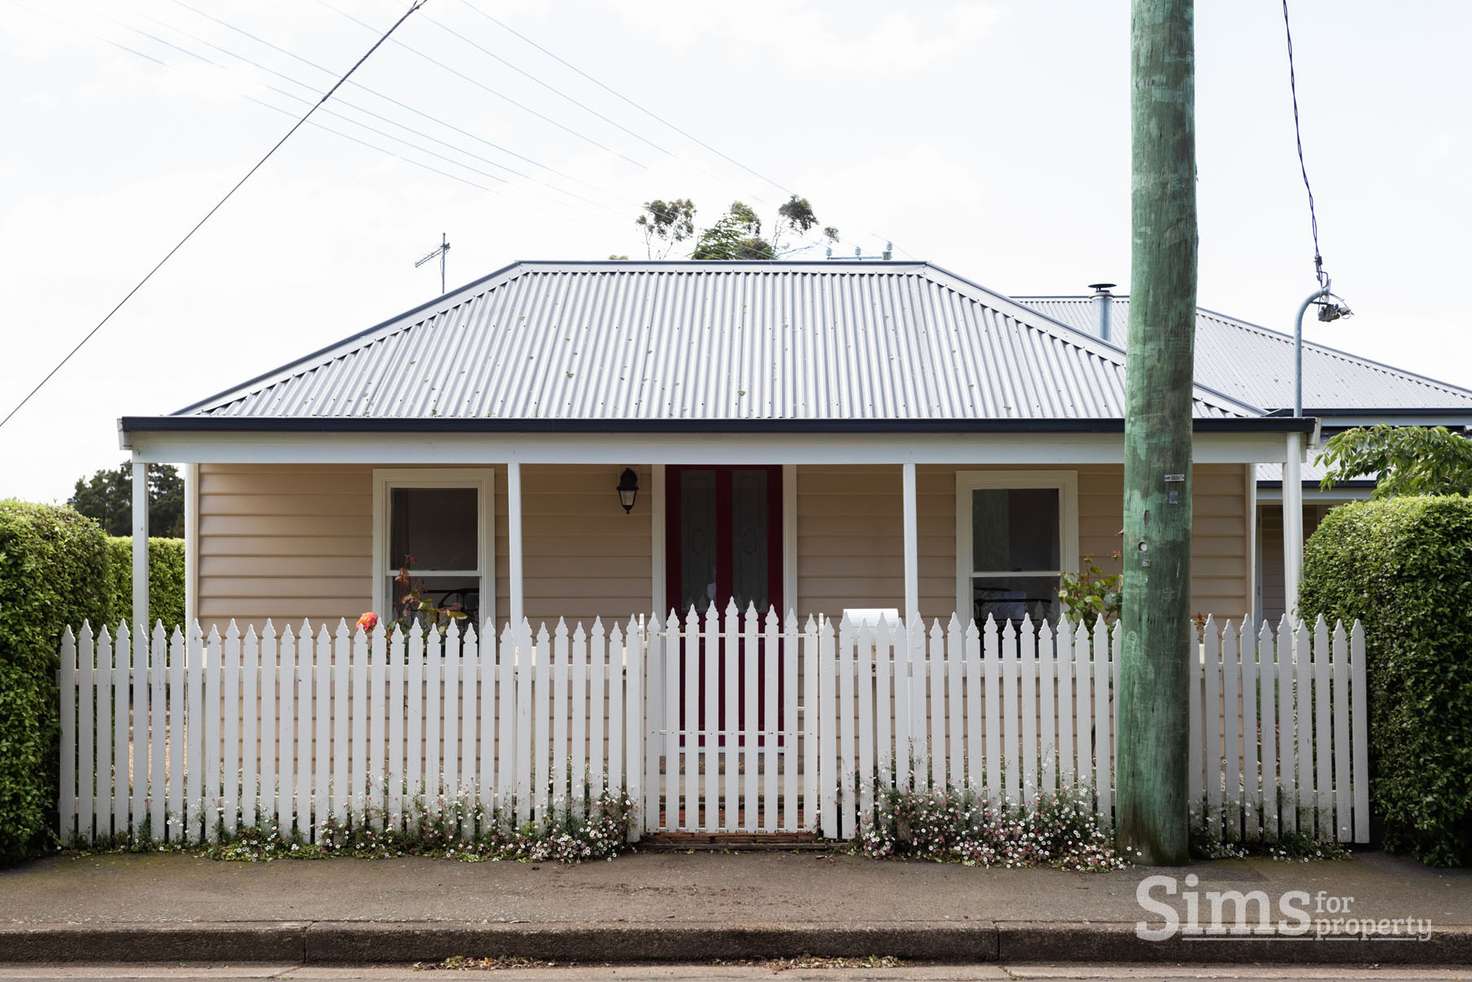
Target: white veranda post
1292, 522
140, 544
911, 545
513, 543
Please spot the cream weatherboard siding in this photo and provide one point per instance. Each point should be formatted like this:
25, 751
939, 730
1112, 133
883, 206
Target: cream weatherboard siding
1270, 551
289, 542
849, 535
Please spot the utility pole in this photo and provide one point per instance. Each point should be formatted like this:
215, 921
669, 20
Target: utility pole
442, 251
1153, 714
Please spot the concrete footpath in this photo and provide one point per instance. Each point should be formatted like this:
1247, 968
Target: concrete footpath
703, 907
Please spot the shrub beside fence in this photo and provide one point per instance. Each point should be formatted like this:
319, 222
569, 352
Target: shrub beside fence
53, 572
1403, 566
165, 580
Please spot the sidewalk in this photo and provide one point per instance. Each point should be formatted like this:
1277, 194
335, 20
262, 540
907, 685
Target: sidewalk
679, 907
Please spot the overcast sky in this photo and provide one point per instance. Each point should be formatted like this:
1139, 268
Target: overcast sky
988, 136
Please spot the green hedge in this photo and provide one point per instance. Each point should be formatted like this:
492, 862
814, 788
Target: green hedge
53, 572
1403, 567
165, 580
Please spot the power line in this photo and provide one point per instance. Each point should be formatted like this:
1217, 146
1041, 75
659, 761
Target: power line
550, 88
368, 112
1313, 217
356, 84
218, 205
500, 95
619, 95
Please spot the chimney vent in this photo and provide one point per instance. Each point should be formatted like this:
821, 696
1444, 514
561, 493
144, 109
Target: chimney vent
1103, 304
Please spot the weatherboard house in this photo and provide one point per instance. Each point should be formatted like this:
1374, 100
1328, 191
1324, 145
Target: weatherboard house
594, 439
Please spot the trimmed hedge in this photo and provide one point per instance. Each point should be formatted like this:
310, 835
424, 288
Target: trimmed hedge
53, 572
165, 580
1403, 567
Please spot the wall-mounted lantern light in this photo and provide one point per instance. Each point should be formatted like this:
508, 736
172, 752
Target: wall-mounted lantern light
628, 489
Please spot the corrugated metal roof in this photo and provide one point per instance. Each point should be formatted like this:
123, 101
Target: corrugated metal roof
1255, 364
708, 341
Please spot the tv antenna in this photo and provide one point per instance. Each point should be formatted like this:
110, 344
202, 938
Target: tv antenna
442, 251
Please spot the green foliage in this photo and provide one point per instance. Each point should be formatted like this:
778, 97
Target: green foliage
665, 224
1405, 459
53, 572
737, 234
165, 580
452, 829
1403, 567
1091, 594
951, 826
107, 496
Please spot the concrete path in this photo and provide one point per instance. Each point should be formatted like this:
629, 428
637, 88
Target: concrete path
678, 907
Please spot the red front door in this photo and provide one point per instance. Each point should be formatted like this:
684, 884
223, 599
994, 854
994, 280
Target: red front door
724, 540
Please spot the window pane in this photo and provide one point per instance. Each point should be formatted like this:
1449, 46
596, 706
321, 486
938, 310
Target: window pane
1014, 528
445, 593
437, 527
1010, 597
749, 529
697, 539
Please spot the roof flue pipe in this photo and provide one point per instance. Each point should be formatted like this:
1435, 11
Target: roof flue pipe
1103, 303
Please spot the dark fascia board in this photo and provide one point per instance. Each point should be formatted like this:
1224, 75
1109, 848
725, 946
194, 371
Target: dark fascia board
1314, 484
1323, 411
353, 424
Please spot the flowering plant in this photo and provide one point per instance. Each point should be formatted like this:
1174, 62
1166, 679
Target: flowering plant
413, 603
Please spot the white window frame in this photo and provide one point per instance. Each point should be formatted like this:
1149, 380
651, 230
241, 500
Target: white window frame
1064, 482
482, 480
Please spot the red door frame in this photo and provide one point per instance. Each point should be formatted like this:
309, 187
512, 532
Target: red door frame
673, 570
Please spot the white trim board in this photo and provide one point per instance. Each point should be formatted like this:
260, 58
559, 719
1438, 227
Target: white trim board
482, 479
1063, 481
484, 449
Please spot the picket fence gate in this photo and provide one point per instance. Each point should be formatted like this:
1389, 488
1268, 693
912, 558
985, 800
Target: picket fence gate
708, 724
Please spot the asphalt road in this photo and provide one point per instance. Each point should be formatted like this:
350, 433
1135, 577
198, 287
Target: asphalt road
779, 972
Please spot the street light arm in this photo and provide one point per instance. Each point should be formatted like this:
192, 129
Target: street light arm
1317, 295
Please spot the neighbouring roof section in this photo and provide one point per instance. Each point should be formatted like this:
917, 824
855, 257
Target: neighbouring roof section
1255, 364
693, 341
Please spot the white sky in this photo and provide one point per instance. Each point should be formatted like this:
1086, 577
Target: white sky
988, 136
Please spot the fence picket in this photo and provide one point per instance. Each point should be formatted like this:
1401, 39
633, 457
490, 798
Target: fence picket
710, 723
652, 637
205, 699
975, 768
484, 681
67, 687
1047, 744
358, 765
507, 719
1028, 666
558, 670
305, 674
864, 687
904, 701
633, 715
1212, 717
674, 736
749, 729
597, 701
177, 754
249, 721
461, 773
122, 763
1251, 781
771, 721
919, 702
692, 735
885, 705
88, 772
1063, 670
992, 670
935, 709
157, 728
138, 696
728, 741
1303, 708
1267, 712
378, 727
266, 790
578, 775
1323, 775
541, 773
827, 735
1359, 722
449, 780
285, 742
846, 721
230, 767
812, 722
524, 675
617, 668
341, 716
434, 714
1343, 825
102, 794
955, 703
397, 665
1084, 709
322, 710
414, 717
1011, 717
1231, 723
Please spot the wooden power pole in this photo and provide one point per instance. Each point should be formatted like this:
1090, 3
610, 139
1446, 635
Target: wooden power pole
1153, 715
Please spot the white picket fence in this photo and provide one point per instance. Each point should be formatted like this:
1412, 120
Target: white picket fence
709, 724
